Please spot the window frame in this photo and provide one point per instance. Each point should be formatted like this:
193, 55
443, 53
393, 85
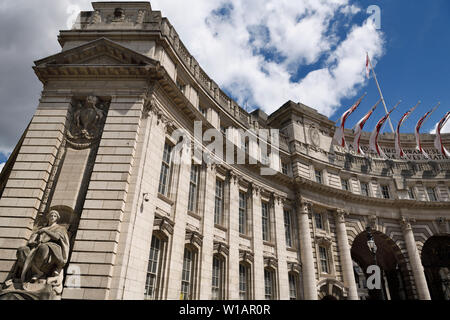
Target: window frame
366, 188
385, 191
218, 288
193, 200
243, 213
433, 193
288, 228
157, 265
326, 259
272, 286
318, 176
265, 221
219, 202
165, 175
191, 281
247, 272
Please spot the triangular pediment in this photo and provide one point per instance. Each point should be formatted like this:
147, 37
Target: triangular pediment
98, 52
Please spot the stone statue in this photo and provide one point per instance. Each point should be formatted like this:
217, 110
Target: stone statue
38, 273
46, 252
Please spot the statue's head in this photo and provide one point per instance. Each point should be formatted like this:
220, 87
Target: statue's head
53, 216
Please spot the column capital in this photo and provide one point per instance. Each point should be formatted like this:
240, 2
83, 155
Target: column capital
255, 189
405, 223
340, 214
234, 177
304, 206
278, 199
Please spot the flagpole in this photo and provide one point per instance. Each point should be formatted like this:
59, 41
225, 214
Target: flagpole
379, 90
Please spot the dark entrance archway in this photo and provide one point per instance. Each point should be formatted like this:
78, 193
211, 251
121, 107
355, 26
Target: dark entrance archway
395, 280
436, 264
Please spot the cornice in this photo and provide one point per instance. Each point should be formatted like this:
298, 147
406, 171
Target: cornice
346, 195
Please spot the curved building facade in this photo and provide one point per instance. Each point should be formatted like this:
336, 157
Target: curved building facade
150, 217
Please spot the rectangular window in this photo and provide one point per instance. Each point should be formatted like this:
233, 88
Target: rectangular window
243, 282
318, 219
217, 278
152, 268
324, 260
385, 192
345, 185
284, 168
268, 284
186, 280
164, 177
242, 213
364, 189
292, 286
431, 194
202, 111
318, 176
411, 193
218, 208
193, 188
287, 227
265, 221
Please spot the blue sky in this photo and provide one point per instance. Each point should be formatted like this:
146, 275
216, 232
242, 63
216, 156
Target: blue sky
415, 65
262, 53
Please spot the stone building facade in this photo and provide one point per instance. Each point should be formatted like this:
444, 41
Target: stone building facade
100, 150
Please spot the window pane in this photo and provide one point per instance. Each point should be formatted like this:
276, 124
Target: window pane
186, 275
242, 213
243, 280
265, 221
292, 286
345, 185
431, 194
152, 268
364, 189
164, 177
323, 259
218, 206
193, 187
318, 219
318, 176
385, 192
287, 227
268, 284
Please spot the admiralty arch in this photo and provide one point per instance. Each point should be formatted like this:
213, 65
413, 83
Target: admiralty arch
94, 205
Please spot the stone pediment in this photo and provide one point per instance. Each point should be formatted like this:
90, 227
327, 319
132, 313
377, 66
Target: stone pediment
101, 57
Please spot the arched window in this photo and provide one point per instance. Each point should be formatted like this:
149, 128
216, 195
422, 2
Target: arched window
269, 284
218, 277
154, 268
244, 281
187, 277
294, 292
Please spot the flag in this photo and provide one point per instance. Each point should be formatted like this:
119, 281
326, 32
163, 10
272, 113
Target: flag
438, 140
376, 132
398, 147
417, 129
339, 133
367, 66
359, 126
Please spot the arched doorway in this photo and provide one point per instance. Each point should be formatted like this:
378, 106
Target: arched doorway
436, 264
395, 283
330, 289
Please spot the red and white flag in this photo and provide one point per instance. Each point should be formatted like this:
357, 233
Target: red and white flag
367, 66
359, 127
438, 140
339, 133
398, 147
417, 129
373, 142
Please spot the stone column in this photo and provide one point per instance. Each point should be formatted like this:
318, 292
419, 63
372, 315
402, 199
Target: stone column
207, 251
281, 248
233, 236
345, 255
309, 273
258, 246
414, 260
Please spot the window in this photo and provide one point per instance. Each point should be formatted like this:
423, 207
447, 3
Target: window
284, 168
293, 287
153, 268
265, 221
164, 178
345, 185
385, 192
218, 208
242, 213
193, 188
202, 111
217, 278
244, 281
318, 176
186, 280
431, 194
323, 260
287, 227
318, 220
364, 189
269, 284
411, 193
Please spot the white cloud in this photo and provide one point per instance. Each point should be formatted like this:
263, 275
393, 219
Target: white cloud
445, 128
230, 48
318, 36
